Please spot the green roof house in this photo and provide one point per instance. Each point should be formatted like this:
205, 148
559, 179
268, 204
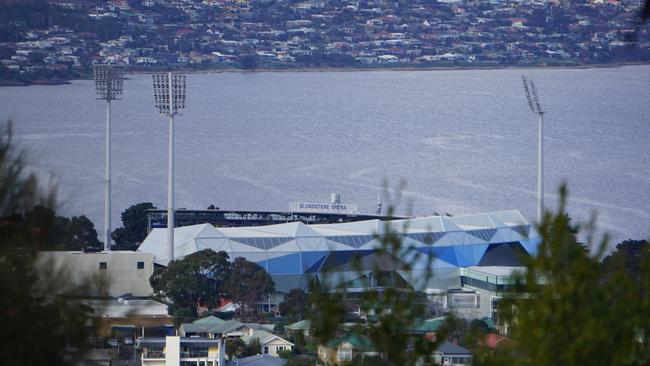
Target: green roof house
346, 348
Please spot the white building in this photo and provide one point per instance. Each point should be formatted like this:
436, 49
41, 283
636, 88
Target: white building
175, 350
107, 273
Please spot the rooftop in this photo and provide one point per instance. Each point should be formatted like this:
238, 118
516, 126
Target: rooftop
257, 360
126, 308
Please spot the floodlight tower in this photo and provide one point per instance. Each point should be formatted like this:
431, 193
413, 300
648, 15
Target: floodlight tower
169, 98
535, 107
108, 84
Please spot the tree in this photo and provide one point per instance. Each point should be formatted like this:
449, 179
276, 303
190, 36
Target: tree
301, 360
247, 285
235, 348
80, 233
295, 304
628, 255
134, 227
197, 278
563, 311
183, 315
47, 227
30, 310
61, 233
254, 347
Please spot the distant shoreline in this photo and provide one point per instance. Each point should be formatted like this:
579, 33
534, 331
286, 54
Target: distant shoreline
398, 68
38, 82
339, 69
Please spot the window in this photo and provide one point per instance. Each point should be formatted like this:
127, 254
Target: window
266, 350
140, 265
103, 265
344, 354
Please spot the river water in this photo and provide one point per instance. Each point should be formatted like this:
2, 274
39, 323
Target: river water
463, 141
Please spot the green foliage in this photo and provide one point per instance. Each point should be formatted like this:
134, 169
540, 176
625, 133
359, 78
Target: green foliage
327, 320
79, 232
134, 227
206, 276
235, 348
248, 284
199, 277
295, 304
302, 360
396, 308
285, 354
299, 342
36, 323
183, 315
564, 311
19, 190
475, 335
628, 255
58, 232
254, 347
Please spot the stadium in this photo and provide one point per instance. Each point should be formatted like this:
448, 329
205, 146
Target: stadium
475, 250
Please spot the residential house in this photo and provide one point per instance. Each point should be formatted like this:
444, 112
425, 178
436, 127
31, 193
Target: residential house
345, 349
270, 344
493, 340
214, 328
451, 354
302, 326
428, 328
134, 313
175, 350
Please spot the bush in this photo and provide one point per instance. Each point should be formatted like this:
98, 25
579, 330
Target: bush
302, 360
287, 354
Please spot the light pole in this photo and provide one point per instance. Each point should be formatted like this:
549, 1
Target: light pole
535, 107
108, 84
169, 98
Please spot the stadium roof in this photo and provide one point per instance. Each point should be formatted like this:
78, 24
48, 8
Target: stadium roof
295, 249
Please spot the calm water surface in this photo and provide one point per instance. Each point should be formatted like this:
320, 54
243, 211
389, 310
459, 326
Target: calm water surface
463, 141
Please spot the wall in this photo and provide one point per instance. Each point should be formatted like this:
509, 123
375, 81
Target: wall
273, 346
120, 276
172, 350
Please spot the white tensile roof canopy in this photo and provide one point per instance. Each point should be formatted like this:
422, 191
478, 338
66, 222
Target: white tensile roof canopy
258, 243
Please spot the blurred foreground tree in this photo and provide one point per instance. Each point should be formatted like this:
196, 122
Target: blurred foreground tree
393, 304
134, 227
37, 323
295, 304
628, 255
563, 310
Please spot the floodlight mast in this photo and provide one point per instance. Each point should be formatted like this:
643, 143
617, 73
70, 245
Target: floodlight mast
535, 107
108, 85
169, 98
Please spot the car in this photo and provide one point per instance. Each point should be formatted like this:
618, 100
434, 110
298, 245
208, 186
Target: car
113, 342
128, 340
